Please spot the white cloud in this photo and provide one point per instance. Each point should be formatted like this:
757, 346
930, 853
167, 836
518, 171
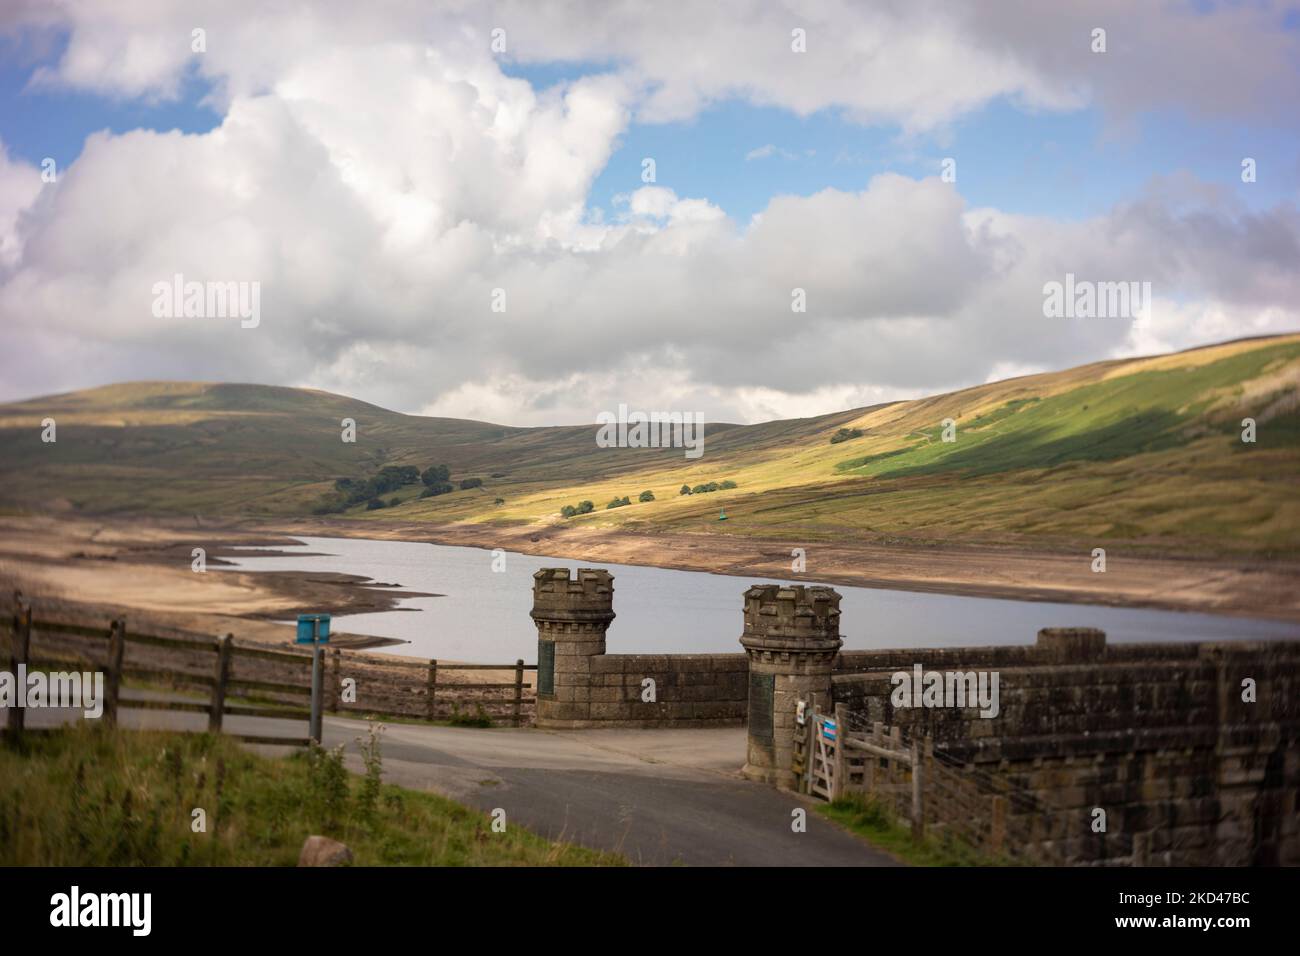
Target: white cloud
380, 176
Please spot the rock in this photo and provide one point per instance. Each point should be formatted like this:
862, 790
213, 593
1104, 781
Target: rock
322, 851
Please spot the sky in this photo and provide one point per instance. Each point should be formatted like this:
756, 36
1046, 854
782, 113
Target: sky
533, 213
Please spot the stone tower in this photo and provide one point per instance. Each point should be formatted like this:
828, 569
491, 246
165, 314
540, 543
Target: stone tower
792, 635
572, 615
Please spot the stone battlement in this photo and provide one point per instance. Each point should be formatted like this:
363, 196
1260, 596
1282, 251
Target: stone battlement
559, 596
797, 614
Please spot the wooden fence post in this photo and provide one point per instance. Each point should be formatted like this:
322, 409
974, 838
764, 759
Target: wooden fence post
810, 743
519, 690
19, 652
116, 649
997, 824
336, 700
221, 676
918, 809
839, 777
895, 775
433, 685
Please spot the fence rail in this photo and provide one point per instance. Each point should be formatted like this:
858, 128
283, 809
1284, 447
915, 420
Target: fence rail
248, 681
935, 793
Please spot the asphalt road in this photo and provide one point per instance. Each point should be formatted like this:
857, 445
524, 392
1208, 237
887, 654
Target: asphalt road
659, 797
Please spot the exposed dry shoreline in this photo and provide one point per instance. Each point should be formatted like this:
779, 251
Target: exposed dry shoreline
1235, 587
141, 568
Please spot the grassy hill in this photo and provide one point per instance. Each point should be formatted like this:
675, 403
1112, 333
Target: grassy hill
1147, 451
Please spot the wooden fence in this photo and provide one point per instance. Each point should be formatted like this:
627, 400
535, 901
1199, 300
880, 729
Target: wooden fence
250, 681
840, 755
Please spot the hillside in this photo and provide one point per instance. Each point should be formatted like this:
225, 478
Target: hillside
1146, 451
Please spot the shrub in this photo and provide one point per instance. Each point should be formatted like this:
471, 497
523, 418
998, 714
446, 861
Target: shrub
478, 719
499, 501
618, 502
373, 758
436, 475
647, 496
470, 483
844, 434
707, 487
686, 490
374, 504
568, 511
441, 488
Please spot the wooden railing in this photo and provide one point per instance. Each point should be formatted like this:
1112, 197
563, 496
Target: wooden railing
840, 755
249, 681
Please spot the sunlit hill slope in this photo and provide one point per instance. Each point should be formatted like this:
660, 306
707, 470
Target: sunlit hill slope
1148, 451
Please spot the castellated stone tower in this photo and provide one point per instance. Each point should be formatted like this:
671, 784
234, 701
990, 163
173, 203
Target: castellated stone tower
572, 615
792, 635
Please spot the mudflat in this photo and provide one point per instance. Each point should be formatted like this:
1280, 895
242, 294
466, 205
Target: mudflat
142, 568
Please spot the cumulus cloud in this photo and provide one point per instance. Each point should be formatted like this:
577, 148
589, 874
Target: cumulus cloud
388, 185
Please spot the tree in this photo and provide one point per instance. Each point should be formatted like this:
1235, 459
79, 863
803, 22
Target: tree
471, 483
686, 490
844, 434
436, 475
647, 496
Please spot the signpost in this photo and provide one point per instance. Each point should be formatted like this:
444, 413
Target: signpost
314, 629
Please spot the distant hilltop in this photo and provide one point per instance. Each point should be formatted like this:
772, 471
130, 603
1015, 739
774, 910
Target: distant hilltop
1196, 451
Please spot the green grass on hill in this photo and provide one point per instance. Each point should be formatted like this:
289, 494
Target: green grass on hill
88, 796
1141, 452
873, 821
1147, 411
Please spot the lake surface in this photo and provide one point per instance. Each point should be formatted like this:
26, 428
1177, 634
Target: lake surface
483, 615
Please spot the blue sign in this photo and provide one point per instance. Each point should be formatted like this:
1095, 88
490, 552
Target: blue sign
313, 629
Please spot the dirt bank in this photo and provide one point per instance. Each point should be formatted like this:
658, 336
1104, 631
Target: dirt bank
141, 567
1242, 587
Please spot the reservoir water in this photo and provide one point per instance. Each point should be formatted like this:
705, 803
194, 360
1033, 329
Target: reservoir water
482, 614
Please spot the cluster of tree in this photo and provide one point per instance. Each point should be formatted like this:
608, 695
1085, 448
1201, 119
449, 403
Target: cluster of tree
619, 502
582, 508
437, 481
706, 488
353, 491
844, 434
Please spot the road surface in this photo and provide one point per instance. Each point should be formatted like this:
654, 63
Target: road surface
659, 797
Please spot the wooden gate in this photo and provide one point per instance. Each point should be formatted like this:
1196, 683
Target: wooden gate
817, 761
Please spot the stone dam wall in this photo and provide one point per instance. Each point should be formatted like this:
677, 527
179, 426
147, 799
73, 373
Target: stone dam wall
1189, 766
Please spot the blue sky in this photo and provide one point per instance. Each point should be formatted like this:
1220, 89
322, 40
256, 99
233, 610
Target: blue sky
388, 173
1066, 165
